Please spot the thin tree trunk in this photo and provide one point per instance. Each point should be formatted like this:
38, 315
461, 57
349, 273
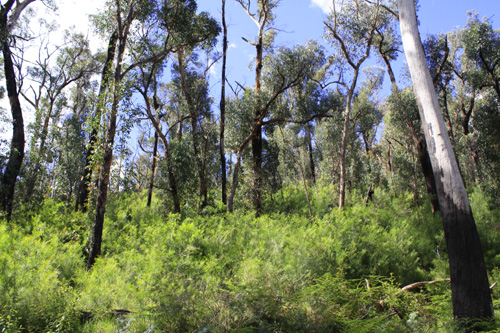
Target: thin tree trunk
223, 106
104, 176
304, 183
194, 129
153, 170
343, 150
471, 297
83, 191
257, 140
168, 157
234, 185
310, 150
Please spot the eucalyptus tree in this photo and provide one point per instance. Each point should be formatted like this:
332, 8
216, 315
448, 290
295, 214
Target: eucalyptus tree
263, 17
285, 68
222, 107
474, 73
145, 81
83, 190
480, 46
306, 105
47, 95
10, 12
180, 25
403, 116
183, 33
303, 106
351, 31
403, 136
471, 295
367, 116
193, 84
123, 14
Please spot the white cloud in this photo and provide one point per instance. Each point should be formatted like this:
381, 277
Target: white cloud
325, 5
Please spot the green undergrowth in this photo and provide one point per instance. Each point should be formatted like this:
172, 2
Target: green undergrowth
220, 272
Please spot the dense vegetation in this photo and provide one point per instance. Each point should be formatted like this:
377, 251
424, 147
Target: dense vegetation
138, 206
340, 271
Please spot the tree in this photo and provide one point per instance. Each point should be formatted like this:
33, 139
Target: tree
182, 31
262, 18
471, 297
143, 86
47, 96
287, 69
183, 28
351, 31
9, 15
125, 14
223, 107
387, 44
194, 89
83, 191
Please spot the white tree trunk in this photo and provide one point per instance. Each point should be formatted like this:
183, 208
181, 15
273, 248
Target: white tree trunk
471, 296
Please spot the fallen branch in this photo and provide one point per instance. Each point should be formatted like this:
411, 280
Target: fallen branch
86, 316
422, 283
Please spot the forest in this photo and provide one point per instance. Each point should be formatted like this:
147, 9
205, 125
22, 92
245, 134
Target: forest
338, 191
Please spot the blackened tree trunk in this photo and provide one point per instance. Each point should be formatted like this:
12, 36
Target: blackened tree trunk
310, 152
153, 170
16, 154
83, 191
223, 106
104, 176
261, 19
471, 297
425, 164
257, 139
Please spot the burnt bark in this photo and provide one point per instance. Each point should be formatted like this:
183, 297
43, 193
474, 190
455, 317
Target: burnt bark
16, 154
223, 106
104, 175
83, 191
471, 296
153, 170
425, 164
257, 139
261, 19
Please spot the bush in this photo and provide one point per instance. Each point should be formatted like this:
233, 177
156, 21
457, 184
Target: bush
218, 272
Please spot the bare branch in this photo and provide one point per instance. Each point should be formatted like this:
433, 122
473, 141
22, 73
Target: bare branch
14, 17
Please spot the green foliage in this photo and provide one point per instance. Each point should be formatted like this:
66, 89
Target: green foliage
339, 272
38, 273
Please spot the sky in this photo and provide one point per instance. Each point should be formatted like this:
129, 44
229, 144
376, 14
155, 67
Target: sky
296, 21
300, 20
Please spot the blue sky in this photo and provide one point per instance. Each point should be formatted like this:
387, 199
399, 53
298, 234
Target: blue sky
300, 20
